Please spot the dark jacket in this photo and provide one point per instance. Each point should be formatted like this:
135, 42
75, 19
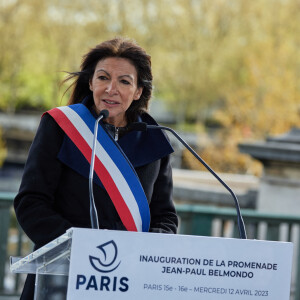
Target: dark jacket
54, 197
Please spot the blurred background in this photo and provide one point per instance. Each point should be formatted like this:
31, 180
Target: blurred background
226, 77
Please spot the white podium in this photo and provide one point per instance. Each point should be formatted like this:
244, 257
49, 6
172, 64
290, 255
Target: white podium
105, 264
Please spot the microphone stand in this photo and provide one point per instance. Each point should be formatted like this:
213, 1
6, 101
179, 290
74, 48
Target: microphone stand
240, 221
93, 210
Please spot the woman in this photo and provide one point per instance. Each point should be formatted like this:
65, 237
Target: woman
53, 196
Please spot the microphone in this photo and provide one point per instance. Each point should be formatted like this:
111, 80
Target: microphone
240, 221
93, 211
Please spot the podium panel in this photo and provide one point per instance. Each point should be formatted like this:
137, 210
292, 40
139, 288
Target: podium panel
95, 264
51, 265
127, 265
49, 287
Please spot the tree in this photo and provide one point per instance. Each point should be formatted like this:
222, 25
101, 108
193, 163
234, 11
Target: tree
234, 64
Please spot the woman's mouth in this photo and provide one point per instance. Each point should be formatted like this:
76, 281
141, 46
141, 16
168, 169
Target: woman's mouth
110, 102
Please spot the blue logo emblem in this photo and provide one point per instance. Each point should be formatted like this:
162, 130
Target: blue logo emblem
105, 263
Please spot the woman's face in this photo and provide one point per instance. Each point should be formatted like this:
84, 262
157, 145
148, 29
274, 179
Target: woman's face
114, 87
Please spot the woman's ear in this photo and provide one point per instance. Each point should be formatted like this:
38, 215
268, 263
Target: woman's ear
138, 93
91, 83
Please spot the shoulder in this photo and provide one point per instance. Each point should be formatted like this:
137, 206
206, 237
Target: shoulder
48, 124
49, 132
147, 118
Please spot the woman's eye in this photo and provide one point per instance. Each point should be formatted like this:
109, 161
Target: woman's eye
102, 77
125, 81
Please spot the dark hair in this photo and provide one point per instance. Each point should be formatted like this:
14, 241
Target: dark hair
118, 47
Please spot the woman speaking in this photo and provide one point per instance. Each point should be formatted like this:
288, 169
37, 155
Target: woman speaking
115, 76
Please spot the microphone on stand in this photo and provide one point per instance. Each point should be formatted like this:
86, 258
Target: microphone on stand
141, 126
93, 211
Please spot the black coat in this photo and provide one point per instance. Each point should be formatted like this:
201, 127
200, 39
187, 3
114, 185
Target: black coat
54, 197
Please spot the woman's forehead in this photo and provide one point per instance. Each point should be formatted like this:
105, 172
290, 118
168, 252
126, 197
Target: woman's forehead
117, 65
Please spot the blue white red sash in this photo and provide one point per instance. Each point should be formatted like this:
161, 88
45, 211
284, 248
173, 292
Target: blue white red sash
111, 165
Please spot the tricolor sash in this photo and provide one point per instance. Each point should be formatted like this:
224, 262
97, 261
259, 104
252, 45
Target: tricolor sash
111, 165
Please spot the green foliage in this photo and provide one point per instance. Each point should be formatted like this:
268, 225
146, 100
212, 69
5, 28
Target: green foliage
231, 63
3, 150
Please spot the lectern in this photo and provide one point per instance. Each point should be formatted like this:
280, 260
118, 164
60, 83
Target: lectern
51, 265
107, 264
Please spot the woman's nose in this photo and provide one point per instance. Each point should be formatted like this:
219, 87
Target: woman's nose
111, 88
